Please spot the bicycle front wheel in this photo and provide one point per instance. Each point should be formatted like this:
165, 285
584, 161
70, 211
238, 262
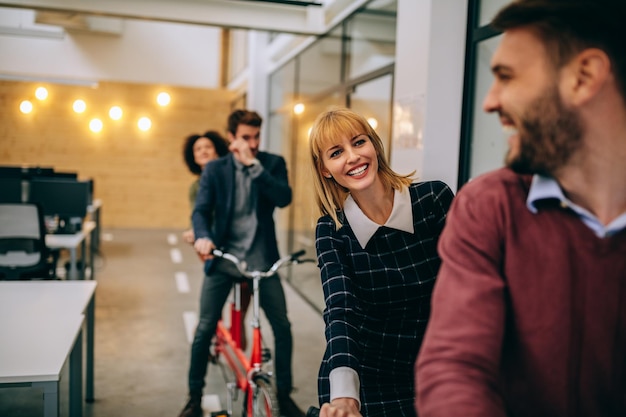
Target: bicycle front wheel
261, 399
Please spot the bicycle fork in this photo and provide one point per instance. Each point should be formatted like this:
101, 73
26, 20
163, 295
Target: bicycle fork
256, 356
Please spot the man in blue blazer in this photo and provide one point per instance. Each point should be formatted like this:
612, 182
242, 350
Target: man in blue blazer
235, 212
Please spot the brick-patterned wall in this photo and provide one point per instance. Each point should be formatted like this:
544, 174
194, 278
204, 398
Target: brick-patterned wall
139, 176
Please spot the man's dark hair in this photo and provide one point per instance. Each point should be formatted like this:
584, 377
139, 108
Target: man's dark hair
567, 27
243, 117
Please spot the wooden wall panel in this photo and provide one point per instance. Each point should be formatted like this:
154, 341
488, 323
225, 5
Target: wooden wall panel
139, 176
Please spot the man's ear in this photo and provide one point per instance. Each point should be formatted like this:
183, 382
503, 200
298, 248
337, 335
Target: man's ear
587, 74
231, 137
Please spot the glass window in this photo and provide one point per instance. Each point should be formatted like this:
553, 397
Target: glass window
371, 40
489, 145
282, 90
320, 66
489, 8
282, 84
354, 70
303, 209
372, 99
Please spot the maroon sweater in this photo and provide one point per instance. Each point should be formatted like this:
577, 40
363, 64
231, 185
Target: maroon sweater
529, 311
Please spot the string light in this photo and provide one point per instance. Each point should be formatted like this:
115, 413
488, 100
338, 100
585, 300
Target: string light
41, 93
163, 99
144, 124
79, 106
115, 113
26, 107
95, 125
298, 108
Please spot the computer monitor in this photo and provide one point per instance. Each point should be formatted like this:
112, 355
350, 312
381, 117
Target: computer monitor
65, 175
8, 171
33, 172
64, 198
54, 174
10, 190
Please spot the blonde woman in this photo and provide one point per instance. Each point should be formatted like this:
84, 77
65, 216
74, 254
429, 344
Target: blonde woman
376, 243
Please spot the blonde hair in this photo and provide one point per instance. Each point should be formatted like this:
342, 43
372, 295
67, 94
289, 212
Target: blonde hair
327, 128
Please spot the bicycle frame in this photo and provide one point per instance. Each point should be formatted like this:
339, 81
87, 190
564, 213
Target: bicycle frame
228, 340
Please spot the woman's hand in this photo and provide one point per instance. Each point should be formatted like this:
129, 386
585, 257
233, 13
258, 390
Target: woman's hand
341, 407
188, 236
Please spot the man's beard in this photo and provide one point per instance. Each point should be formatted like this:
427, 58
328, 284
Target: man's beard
549, 135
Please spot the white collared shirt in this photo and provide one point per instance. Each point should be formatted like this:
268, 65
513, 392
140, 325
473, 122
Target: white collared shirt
543, 187
401, 217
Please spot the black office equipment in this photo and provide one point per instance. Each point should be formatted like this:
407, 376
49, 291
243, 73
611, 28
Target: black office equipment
23, 250
64, 199
10, 190
66, 175
33, 172
10, 171
54, 174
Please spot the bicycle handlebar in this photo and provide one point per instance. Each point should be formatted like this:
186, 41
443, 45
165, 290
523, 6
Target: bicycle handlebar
241, 265
313, 412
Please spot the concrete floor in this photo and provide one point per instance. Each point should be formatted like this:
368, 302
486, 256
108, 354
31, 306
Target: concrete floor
142, 340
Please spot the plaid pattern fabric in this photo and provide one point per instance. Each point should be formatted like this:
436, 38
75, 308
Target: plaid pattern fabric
378, 301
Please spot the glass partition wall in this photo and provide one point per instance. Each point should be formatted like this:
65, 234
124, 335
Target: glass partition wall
483, 143
351, 66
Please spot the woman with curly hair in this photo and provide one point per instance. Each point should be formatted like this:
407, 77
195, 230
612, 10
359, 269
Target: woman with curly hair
198, 151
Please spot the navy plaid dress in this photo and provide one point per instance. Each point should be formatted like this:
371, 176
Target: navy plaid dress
378, 301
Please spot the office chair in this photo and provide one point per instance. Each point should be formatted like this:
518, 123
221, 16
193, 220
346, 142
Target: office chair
23, 250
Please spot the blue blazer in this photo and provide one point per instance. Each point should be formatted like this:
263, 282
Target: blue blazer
212, 215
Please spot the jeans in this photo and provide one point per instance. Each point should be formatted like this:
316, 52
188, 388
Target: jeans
215, 290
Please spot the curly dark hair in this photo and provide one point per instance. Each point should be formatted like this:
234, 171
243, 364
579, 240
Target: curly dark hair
221, 148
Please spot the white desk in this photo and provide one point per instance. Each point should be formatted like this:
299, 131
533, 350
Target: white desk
72, 242
38, 310
34, 350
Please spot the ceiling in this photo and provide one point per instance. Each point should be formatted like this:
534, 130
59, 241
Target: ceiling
302, 17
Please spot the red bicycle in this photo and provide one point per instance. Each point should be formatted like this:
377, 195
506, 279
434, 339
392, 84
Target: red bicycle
247, 374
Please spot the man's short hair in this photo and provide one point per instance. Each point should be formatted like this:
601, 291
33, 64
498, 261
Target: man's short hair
567, 27
243, 117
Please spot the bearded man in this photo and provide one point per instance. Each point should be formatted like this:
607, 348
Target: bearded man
529, 307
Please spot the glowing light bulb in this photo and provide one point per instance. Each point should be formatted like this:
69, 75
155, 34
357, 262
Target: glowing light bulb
95, 125
144, 123
41, 93
26, 107
373, 122
79, 106
115, 113
298, 108
163, 99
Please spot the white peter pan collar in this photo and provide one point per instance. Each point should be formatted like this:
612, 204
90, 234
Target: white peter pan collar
401, 217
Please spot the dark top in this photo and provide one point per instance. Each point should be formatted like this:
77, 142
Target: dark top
378, 300
216, 197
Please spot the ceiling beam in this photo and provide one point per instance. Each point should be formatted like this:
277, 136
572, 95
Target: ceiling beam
256, 15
